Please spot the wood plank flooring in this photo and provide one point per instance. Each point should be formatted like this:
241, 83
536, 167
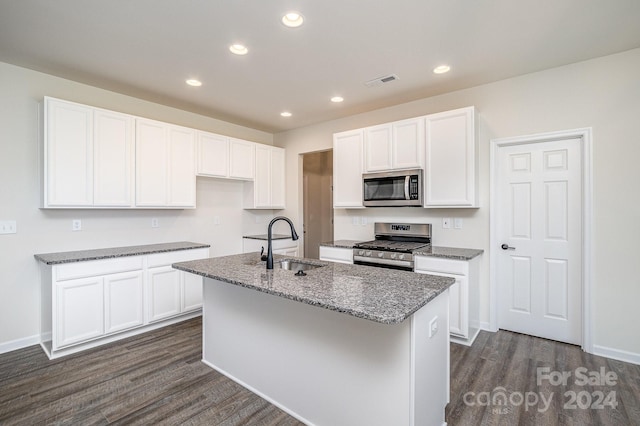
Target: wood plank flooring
506, 363
157, 379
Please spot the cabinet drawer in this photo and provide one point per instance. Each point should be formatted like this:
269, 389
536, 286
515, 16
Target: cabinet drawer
163, 259
446, 266
94, 268
336, 254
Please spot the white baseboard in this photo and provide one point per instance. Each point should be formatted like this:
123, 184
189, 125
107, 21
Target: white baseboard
19, 343
620, 355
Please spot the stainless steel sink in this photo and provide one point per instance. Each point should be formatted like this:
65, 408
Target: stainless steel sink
294, 265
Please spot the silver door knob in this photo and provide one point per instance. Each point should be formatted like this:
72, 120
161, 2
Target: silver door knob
506, 247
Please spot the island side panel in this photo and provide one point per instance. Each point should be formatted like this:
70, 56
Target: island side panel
430, 355
321, 366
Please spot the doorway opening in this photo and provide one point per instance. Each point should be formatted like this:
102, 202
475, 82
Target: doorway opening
317, 175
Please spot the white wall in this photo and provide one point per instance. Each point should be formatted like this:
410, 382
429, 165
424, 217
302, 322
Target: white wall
42, 231
603, 94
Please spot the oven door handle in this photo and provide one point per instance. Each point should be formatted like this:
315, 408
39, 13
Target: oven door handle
407, 179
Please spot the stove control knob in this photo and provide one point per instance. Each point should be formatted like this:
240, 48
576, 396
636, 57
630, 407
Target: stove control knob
401, 256
381, 254
360, 252
368, 254
393, 255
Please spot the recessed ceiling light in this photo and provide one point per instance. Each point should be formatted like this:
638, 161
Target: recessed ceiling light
337, 99
193, 82
285, 114
292, 19
441, 69
238, 49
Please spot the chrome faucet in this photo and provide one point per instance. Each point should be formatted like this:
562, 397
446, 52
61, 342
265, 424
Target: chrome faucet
294, 236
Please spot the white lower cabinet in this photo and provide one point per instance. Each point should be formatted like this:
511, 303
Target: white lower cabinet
336, 254
86, 304
123, 301
80, 312
164, 293
464, 311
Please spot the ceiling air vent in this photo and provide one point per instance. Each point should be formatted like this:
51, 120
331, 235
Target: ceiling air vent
380, 80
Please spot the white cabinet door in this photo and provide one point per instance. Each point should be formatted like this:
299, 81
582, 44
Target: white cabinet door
68, 154
181, 164
408, 144
113, 159
451, 170
80, 314
397, 145
347, 169
277, 178
151, 163
165, 165
164, 293
262, 178
213, 155
377, 148
241, 159
123, 301
267, 189
191, 292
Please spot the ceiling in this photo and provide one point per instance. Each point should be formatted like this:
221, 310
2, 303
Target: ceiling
148, 48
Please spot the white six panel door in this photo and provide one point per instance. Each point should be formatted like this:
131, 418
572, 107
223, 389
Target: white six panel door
539, 219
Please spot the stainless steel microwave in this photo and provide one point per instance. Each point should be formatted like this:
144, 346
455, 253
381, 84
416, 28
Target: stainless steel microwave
401, 188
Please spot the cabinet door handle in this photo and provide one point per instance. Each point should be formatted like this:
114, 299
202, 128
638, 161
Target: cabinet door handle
506, 247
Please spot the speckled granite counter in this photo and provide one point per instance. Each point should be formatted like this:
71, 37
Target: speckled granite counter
443, 252
265, 237
382, 295
107, 253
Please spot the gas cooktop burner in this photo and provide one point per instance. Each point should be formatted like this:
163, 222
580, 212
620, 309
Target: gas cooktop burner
387, 245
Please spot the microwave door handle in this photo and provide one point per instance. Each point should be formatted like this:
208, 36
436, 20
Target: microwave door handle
407, 179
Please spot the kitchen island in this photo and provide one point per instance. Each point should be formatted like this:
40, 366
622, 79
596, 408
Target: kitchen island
341, 345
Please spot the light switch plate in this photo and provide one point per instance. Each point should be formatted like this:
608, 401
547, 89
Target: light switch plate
8, 227
446, 222
154, 222
457, 222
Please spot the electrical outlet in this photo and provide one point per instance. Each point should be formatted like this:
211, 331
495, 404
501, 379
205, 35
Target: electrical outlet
76, 225
446, 222
433, 327
8, 227
216, 220
457, 222
154, 222
355, 220
363, 220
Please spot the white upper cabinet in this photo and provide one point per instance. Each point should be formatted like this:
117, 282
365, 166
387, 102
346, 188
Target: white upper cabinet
165, 165
114, 162
213, 155
241, 158
267, 189
347, 169
87, 156
451, 170
68, 154
398, 145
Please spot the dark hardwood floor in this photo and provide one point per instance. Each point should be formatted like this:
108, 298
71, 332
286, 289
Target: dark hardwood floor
157, 379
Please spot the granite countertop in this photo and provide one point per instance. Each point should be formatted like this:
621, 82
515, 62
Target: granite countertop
266, 237
108, 253
382, 295
434, 251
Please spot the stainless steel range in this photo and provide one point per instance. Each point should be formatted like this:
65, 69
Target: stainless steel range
394, 245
